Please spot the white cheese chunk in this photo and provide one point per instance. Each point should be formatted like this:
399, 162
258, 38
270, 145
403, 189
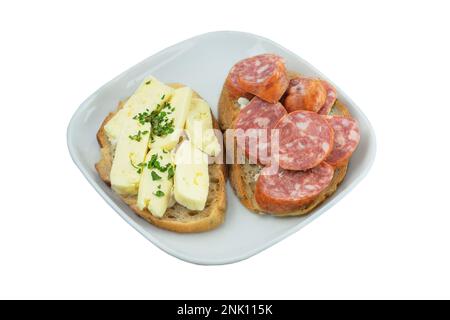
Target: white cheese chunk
133, 140
177, 112
199, 127
242, 102
155, 187
147, 95
114, 126
128, 155
191, 183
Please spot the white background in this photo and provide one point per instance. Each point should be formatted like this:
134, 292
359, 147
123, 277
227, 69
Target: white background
389, 238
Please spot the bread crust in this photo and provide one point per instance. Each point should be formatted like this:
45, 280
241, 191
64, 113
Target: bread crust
243, 176
176, 218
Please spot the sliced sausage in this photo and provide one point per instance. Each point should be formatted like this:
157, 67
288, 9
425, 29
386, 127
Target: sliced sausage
330, 100
255, 121
263, 75
305, 140
286, 190
346, 139
305, 94
232, 81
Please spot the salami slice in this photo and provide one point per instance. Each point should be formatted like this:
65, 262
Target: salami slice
232, 81
264, 76
255, 121
305, 140
286, 190
330, 100
305, 94
346, 139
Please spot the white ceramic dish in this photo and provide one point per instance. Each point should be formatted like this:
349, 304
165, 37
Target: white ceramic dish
202, 63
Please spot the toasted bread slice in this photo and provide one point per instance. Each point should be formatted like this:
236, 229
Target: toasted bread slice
243, 176
176, 218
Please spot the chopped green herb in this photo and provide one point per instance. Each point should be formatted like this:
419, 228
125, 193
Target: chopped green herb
155, 176
159, 193
148, 82
163, 96
165, 151
170, 172
138, 167
138, 136
161, 125
142, 117
154, 163
159, 186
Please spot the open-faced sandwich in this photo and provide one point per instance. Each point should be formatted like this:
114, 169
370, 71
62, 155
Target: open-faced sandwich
158, 152
292, 138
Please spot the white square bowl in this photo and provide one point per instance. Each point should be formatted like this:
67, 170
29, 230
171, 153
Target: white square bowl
202, 63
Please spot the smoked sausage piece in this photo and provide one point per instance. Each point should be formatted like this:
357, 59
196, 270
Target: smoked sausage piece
305, 94
346, 139
264, 76
286, 191
253, 126
305, 140
330, 100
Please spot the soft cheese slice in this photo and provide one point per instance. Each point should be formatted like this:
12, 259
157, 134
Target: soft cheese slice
130, 152
128, 155
146, 96
191, 183
155, 187
114, 126
199, 127
176, 111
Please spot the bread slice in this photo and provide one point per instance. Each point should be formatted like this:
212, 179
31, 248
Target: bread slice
243, 176
176, 218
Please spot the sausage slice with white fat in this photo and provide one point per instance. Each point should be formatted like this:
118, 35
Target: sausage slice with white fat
264, 76
330, 99
254, 125
305, 140
346, 139
286, 190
